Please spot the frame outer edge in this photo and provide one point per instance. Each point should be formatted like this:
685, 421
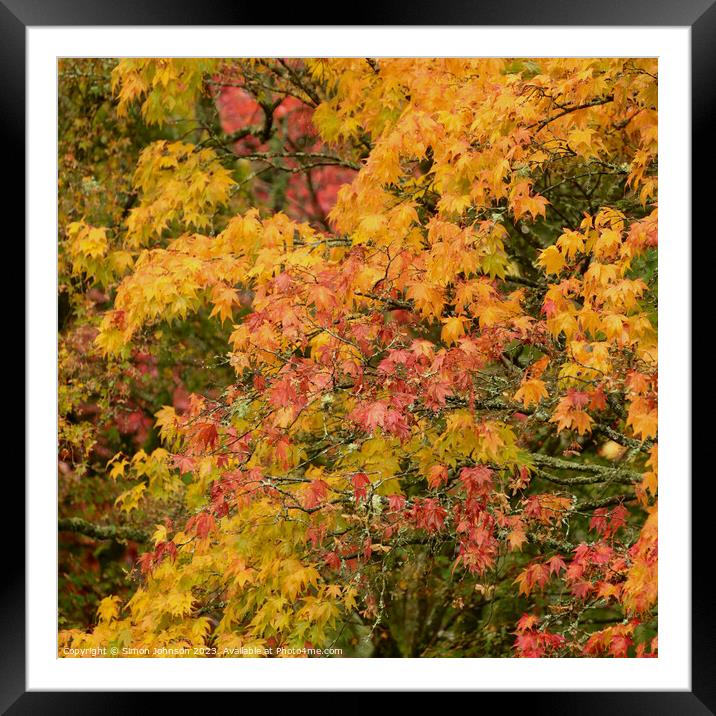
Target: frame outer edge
703, 102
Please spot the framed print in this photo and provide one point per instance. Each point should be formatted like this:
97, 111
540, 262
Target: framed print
348, 350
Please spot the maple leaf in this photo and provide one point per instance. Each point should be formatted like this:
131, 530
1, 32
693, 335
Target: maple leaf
206, 435
396, 502
638, 382
129, 500
556, 564
282, 393
531, 392
429, 300
607, 243
315, 494
552, 259
159, 535
224, 298
333, 560
146, 562
571, 243
516, 538
437, 476
108, 609
607, 590
184, 463
360, 483
581, 140
620, 644
453, 328
534, 575
396, 424
577, 398
437, 393
581, 589
430, 514
581, 421
372, 415
476, 480
642, 418
529, 644
202, 524
567, 417
527, 622
118, 466
322, 297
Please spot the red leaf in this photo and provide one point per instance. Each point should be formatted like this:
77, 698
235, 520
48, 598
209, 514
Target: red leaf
360, 483
184, 463
437, 476
202, 524
206, 435
315, 494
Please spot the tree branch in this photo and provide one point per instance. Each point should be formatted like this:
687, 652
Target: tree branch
388, 301
584, 479
605, 471
604, 502
89, 529
568, 110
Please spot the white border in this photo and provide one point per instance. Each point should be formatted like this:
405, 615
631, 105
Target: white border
670, 671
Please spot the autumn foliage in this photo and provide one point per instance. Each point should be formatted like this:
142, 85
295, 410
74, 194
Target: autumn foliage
361, 353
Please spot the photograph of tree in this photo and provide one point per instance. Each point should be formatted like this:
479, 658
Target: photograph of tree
357, 357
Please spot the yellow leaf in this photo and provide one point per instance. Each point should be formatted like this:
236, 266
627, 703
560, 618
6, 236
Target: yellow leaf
516, 539
531, 391
129, 500
571, 243
108, 609
453, 328
552, 260
643, 418
160, 534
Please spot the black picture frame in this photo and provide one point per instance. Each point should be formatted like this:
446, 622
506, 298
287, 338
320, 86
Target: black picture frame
699, 15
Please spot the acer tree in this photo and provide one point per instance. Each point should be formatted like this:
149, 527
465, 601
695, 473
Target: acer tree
399, 322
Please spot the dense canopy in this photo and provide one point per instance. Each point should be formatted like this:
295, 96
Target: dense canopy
358, 356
